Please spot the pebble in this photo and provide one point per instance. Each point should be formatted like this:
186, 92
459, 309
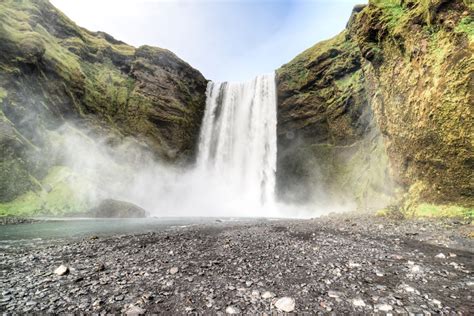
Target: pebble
334, 294
232, 310
384, 307
440, 256
267, 295
61, 270
174, 270
358, 302
133, 310
227, 268
285, 304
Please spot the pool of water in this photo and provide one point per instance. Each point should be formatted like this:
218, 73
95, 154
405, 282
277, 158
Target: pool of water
61, 228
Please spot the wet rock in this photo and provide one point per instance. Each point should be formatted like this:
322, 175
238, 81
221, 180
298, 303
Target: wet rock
117, 209
285, 304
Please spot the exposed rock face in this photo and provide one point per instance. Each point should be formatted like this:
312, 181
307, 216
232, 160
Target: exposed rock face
329, 149
402, 69
110, 208
52, 71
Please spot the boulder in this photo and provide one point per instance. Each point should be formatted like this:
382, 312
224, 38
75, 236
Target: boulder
110, 208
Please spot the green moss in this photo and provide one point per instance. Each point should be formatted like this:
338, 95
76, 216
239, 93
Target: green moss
15, 178
3, 95
466, 26
62, 192
433, 210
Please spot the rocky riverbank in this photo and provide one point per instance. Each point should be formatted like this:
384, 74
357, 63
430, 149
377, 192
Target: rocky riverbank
344, 264
13, 220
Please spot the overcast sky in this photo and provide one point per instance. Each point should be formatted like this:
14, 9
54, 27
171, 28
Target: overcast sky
227, 40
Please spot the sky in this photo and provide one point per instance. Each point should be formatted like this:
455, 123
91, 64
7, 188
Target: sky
227, 40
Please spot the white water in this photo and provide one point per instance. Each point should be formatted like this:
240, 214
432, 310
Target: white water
238, 143
235, 169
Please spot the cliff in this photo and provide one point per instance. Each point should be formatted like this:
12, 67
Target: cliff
53, 72
396, 88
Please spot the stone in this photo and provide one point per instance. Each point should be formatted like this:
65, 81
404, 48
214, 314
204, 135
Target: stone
334, 294
285, 304
174, 270
384, 307
358, 302
110, 208
61, 270
440, 256
232, 310
267, 295
133, 310
436, 302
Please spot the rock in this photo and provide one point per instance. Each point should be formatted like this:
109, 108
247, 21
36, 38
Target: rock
267, 295
334, 294
285, 304
384, 307
358, 302
100, 267
61, 270
440, 256
133, 310
416, 269
174, 270
110, 208
436, 302
232, 310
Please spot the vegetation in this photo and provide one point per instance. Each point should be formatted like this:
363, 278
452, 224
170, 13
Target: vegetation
52, 72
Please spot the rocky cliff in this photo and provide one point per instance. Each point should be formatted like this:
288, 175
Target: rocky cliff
391, 96
52, 72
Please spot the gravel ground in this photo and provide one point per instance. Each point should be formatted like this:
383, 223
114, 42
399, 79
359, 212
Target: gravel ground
343, 264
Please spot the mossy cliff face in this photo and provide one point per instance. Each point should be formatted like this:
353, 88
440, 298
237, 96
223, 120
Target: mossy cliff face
52, 72
419, 67
330, 151
397, 83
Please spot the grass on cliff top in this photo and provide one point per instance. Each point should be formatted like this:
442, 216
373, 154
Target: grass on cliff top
21, 22
296, 72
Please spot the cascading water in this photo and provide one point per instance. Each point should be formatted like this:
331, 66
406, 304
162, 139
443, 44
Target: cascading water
238, 145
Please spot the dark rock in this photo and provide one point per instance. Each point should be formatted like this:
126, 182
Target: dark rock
110, 208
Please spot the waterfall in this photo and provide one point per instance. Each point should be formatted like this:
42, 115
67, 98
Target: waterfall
238, 145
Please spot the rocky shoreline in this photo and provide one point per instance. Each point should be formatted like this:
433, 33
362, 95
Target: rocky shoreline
343, 264
14, 220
